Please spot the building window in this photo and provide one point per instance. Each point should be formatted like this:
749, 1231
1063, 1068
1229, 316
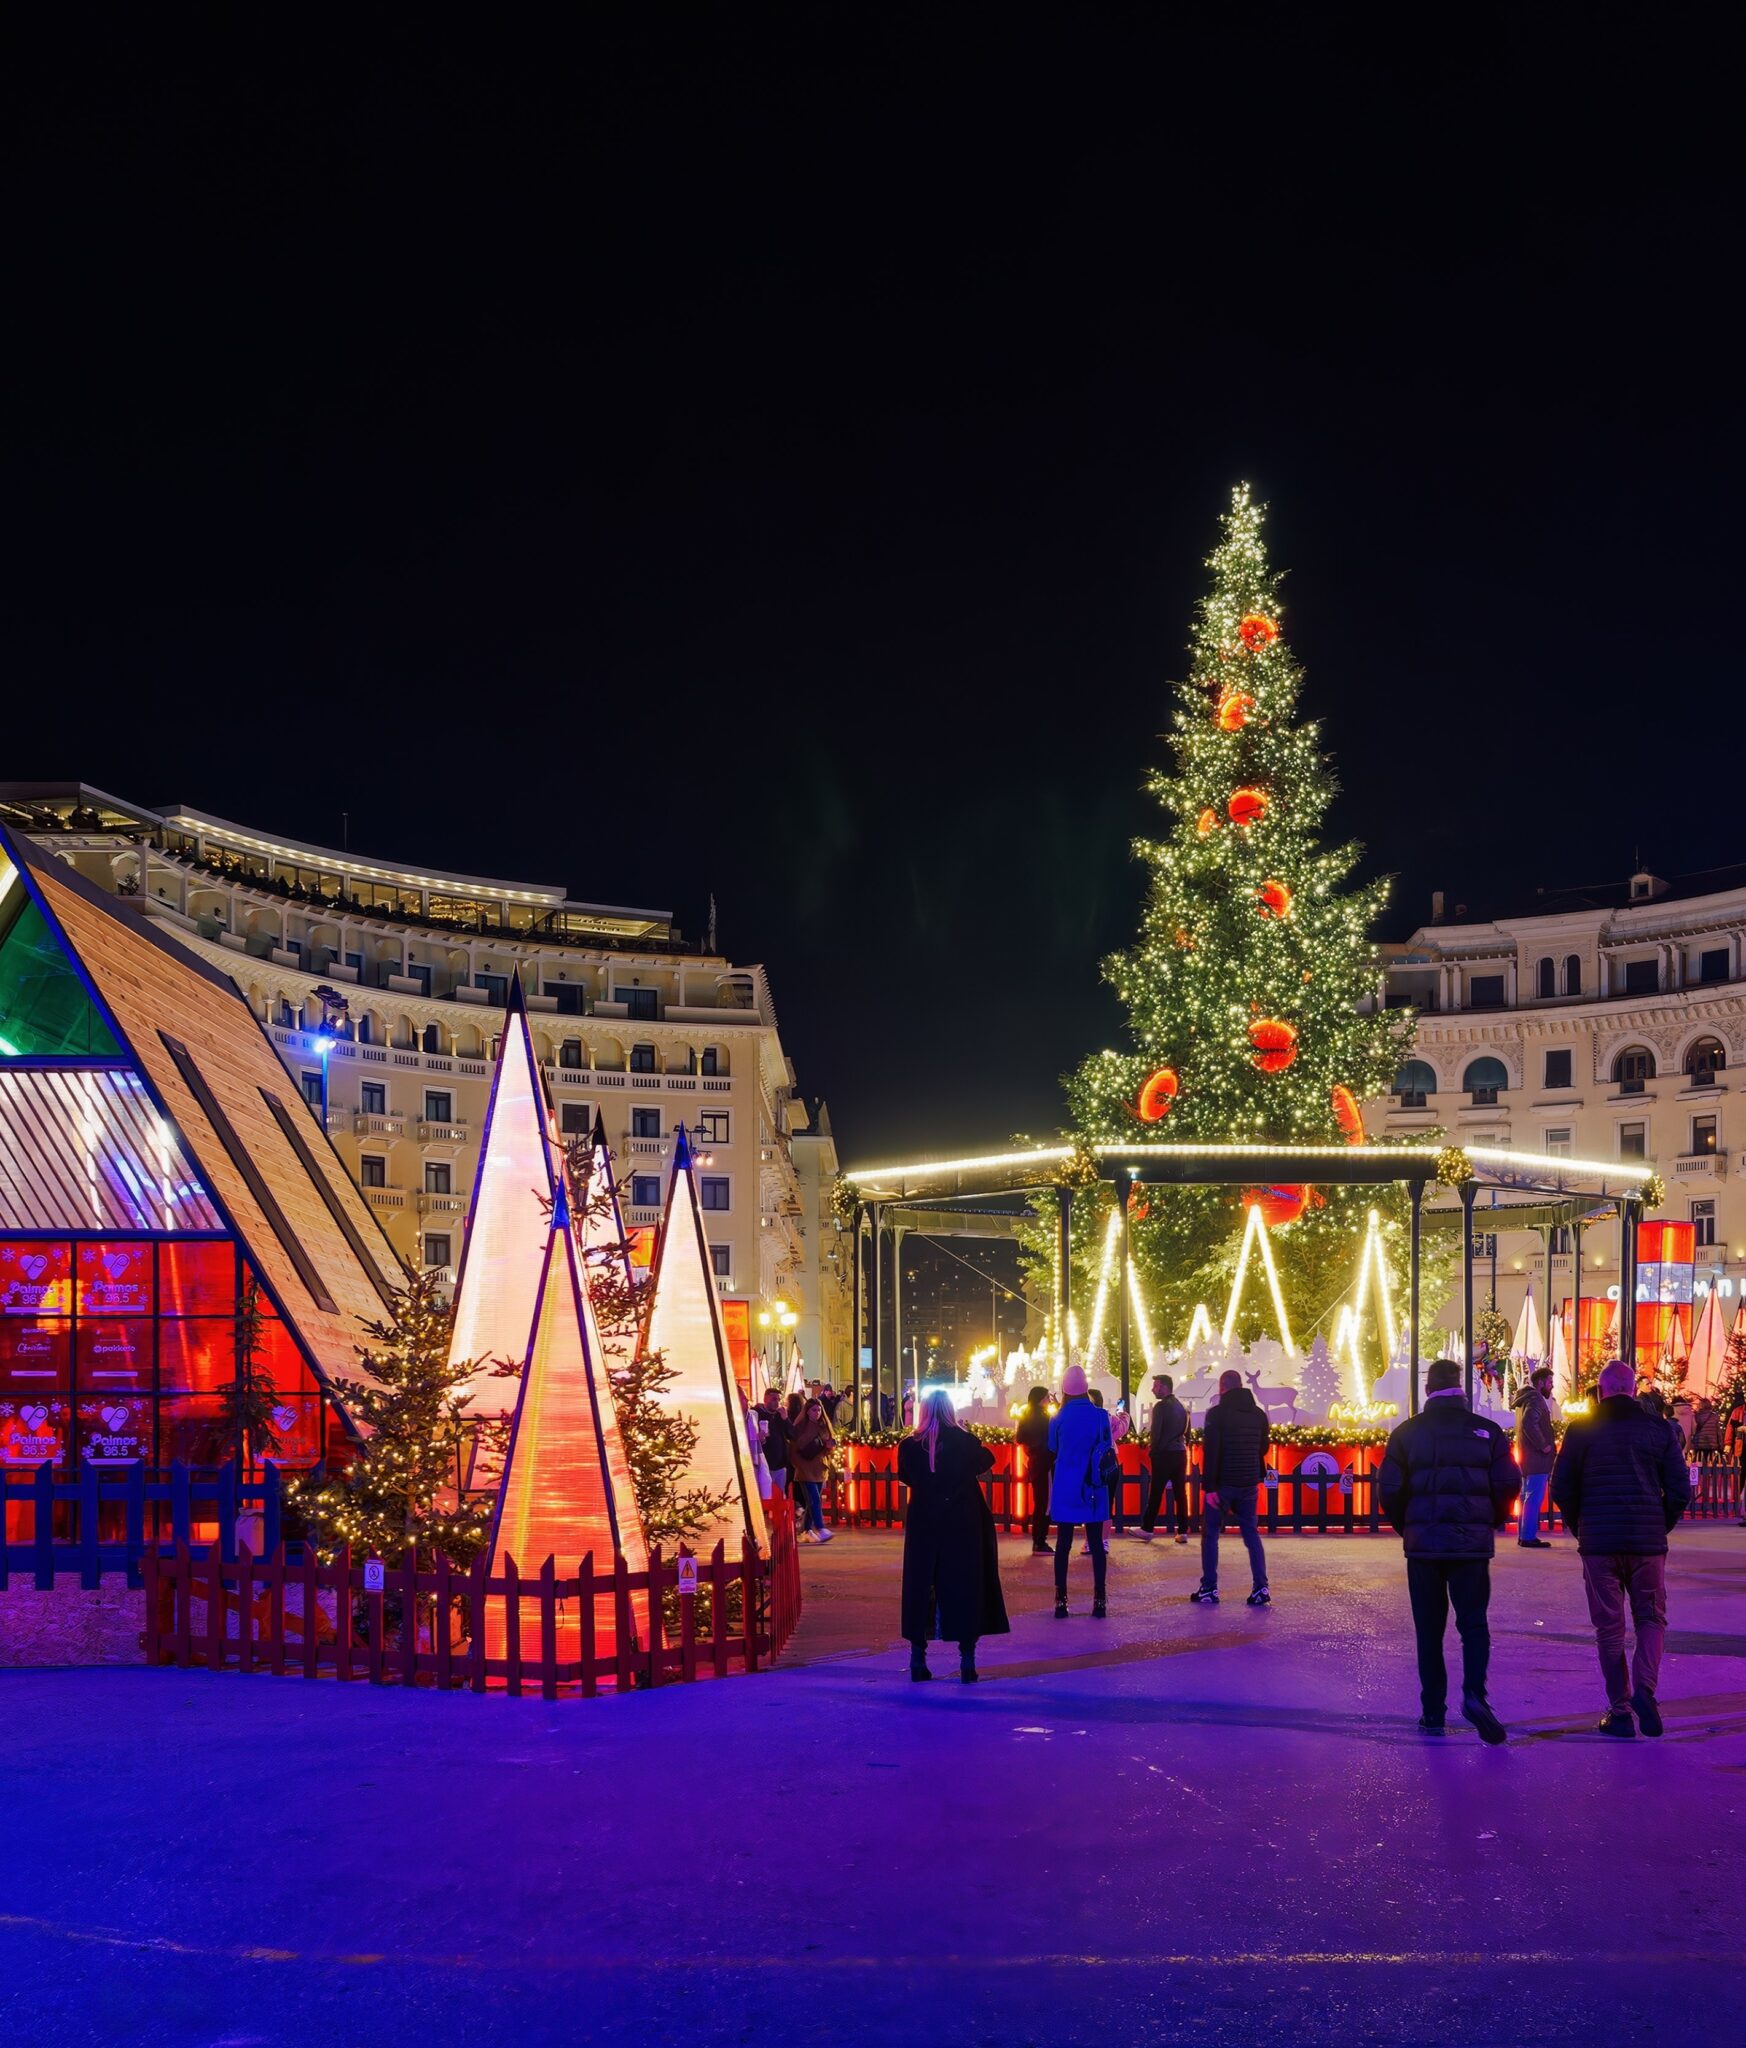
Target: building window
439, 1106
721, 1259
496, 987
1704, 1062
1483, 1079
713, 1192
366, 1031
1573, 974
1558, 1068
1546, 978
374, 1096
570, 997
431, 1038
638, 1002
1713, 965
372, 1171
287, 1016
1557, 1143
438, 1177
711, 1059
573, 1119
1634, 1069
1633, 1141
570, 1053
1560, 1241
436, 1249
1703, 1134
646, 1191
1703, 1225
1415, 1081
312, 1090
712, 1127
1485, 992
642, 1060
1642, 977
645, 1123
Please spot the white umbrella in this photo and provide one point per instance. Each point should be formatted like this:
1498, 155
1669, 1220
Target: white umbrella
796, 1383
1560, 1362
1709, 1345
1527, 1342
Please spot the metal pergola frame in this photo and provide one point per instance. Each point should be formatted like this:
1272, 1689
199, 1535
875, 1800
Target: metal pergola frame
1548, 1193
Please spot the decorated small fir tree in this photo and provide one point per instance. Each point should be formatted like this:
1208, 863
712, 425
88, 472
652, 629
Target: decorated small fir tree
400, 1491
1250, 991
246, 1430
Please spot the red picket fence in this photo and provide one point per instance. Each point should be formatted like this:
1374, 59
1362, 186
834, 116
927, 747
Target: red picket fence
560, 1636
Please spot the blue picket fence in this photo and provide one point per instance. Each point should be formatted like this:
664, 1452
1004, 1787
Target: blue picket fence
174, 1504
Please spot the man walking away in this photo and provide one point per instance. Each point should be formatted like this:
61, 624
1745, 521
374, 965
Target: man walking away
1033, 1434
1168, 1451
1233, 1458
1447, 1483
1536, 1448
1621, 1484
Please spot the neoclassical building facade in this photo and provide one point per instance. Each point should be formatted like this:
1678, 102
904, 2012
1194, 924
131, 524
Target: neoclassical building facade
1601, 1024
409, 969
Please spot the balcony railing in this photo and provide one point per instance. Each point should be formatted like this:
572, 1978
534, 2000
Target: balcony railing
385, 1198
379, 1124
443, 1134
1700, 1166
441, 1205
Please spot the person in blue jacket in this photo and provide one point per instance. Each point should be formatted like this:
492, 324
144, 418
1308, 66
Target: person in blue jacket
1079, 1439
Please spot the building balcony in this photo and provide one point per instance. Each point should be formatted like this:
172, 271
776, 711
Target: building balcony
640, 1219
647, 1147
338, 1119
385, 1198
441, 1205
1700, 1166
442, 1134
372, 1125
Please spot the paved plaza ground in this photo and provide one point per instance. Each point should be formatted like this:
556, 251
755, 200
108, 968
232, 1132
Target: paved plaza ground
1177, 1826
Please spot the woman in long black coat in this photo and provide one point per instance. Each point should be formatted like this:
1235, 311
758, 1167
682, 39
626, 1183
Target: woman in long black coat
951, 1565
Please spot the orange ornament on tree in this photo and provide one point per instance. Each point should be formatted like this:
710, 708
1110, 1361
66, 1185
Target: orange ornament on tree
1234, 709
1207, 822
1256, 631
1282, 1204
1275, 1043
1247, 807
1274, 899
1157, 1092
1347, 1114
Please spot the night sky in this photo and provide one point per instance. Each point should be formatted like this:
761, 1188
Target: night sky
773, 454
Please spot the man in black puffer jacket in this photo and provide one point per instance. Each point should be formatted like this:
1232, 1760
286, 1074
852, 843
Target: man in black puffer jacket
1233, 1460
1621, 1483
1448, 1482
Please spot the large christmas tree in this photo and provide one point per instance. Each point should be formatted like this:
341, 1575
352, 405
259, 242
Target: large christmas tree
1243, 990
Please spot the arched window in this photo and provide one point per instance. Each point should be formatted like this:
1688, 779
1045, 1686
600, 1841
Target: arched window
1573, 974
1415, 1081
1705, 1061
1633, 1068
642, 1059
1546, 977
364, 1031
570, 1053
1483, 1078
433, 1038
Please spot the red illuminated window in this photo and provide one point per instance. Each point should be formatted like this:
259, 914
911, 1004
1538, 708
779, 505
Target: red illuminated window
36, 1279
196, 1279
115, 1278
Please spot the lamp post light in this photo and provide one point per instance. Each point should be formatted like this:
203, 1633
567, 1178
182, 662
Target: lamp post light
334, 1007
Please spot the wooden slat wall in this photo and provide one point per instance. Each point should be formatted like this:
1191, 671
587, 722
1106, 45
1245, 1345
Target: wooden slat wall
148, 990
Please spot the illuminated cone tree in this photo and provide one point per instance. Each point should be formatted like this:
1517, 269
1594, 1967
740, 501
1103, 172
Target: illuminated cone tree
1254, 952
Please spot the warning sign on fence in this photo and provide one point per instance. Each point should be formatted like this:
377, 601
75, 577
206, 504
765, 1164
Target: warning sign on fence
687, 1575
374, 1575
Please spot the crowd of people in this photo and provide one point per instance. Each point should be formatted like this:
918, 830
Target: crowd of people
1448, 1482
796, 1436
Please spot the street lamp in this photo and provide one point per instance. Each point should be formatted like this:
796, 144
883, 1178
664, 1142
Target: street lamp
333, 1008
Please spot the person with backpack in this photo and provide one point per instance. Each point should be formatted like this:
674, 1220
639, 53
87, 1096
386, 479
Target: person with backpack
1233, 1463
1084, 1453
1447, 1484
1621, 1484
